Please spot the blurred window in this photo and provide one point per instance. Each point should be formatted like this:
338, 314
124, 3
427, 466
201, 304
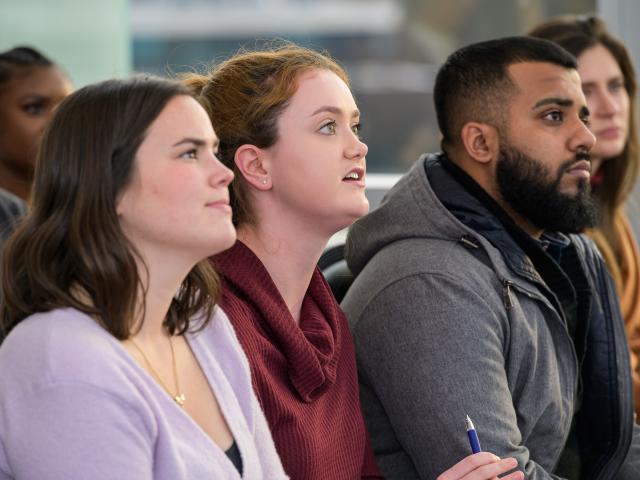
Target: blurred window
391, 49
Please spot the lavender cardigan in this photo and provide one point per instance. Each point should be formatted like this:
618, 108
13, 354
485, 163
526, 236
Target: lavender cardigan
74, 405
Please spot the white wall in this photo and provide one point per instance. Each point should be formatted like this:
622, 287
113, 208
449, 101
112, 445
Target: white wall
90, 39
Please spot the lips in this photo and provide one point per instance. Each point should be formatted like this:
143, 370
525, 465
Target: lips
355, 175
610, 133
222, 204
581, 168
218, 201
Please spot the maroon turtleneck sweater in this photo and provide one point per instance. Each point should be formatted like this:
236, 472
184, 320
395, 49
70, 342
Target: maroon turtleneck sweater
304, 375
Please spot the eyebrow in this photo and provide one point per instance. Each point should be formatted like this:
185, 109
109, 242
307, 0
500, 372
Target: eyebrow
615, 78
198, 142
334, 110
36, 97
562, 102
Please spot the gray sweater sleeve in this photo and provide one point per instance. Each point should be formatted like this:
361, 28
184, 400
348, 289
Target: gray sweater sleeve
630, 470
430, 351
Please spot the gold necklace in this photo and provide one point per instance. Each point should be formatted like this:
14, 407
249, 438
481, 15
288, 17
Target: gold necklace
179, 397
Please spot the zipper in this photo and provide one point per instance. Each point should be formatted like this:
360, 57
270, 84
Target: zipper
507, 288
466, 240
506, 294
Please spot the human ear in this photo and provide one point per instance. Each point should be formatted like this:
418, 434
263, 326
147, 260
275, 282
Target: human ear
480, 141
251, 163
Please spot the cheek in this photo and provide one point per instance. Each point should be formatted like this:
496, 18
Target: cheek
162, 188
175, 189
316, 178
19, 141
318, 161
626, 112
28, 129
159, 210
308, 169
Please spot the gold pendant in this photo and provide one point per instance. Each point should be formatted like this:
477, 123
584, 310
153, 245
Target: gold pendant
180, 399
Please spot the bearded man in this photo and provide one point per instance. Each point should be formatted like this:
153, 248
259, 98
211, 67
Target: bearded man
476, 295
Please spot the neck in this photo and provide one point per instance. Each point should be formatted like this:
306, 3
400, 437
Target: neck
163, 281
521, 221
290, 254
16, 180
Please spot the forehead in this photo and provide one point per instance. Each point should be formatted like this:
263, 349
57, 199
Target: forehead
536, 81
43, 81
320, 87
597, 62
181, 117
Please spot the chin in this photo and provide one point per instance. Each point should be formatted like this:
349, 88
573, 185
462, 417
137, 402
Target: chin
608, 150
358, 211
228, 241
224, 239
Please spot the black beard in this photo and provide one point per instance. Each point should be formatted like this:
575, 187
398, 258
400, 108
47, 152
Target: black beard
524, 185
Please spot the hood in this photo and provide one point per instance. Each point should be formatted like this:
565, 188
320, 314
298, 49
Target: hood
411, 209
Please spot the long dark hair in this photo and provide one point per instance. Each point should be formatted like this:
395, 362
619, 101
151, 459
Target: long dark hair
70, 250
577, 34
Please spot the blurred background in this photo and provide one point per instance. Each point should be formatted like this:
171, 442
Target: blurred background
391, 48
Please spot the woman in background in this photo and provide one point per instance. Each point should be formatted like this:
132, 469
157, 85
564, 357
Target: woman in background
118, 363
609, 85
30, 87
289, 127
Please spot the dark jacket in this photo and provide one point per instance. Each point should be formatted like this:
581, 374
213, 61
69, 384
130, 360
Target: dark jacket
450, 317
11, 210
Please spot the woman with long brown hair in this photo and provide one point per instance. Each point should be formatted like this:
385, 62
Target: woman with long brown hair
609, 85
290, 129
118, 363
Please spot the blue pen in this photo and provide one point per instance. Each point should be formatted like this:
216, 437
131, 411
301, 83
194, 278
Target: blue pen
473, 436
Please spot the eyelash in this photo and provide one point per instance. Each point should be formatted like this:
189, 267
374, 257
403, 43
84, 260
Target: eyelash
35, 108
584, 120
330, 126
190, 154
355, 128
554, 112
616, 86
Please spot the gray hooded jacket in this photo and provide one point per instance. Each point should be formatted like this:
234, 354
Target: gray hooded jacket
448, 323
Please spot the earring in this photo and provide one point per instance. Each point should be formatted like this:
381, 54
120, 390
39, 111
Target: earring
264, 181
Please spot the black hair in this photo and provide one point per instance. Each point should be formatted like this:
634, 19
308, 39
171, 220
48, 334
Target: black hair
20, 57
474, 84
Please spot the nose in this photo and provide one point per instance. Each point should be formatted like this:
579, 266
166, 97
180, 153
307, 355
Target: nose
220, 176
356, 149
607, 104
582, 139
